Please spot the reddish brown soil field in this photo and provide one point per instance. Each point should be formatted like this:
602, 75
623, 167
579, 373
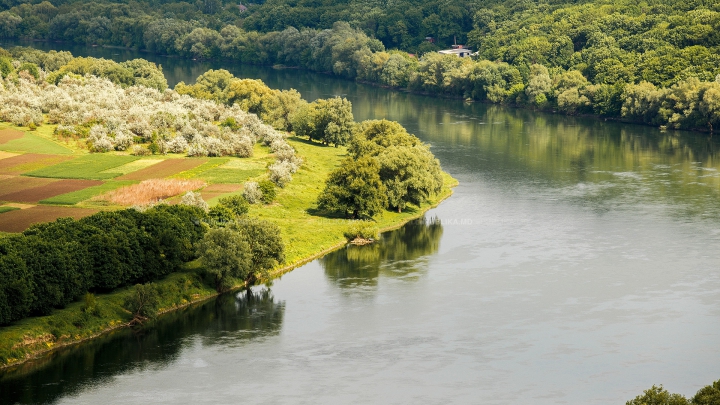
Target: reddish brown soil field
7, 135
29, 161
163, 169
18, 183
20, 220
35, 194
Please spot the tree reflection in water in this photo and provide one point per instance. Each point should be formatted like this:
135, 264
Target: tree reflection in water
400, 253
229, 319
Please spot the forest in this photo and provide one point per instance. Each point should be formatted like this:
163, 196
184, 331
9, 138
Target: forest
655, 62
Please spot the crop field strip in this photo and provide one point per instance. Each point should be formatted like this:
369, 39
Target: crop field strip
18, 164
8, 134
20, 220
17, 184
163, 169
89, 167
79, 196
36, 194
31, 143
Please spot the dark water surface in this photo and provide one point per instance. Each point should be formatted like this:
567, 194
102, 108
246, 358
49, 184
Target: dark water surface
577, 262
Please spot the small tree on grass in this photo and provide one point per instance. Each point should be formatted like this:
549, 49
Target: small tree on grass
267, 249
236, 203
354, 189
194, 199
226, 254
252, 192
267, 188
143, 302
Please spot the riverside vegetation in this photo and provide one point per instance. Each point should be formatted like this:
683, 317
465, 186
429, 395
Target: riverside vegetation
654, 62
68, 280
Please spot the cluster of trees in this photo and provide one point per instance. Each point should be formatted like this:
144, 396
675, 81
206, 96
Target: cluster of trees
708, 395
127, 106
50, 265
388, 168
53, 264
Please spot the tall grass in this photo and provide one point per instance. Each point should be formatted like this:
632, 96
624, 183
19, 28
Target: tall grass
150, 191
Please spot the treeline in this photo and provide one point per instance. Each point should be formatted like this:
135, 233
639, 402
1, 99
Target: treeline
654, 63
708, 395
53, 264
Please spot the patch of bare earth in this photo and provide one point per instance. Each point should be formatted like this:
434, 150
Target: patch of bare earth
20, 220
35, 194
150, 191
7, 135
17, 184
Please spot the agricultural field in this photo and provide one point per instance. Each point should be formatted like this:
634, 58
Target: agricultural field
43, 178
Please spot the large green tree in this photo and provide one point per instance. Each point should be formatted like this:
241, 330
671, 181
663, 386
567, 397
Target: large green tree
226, 256
354, 189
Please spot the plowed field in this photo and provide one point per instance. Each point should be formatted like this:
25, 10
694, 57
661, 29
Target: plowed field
35, 194
20, 220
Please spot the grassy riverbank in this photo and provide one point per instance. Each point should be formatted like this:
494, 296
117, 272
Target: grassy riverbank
306, 234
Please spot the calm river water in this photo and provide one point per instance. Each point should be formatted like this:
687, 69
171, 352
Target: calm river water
576, 263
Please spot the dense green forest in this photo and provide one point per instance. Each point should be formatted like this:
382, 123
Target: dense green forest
653, 62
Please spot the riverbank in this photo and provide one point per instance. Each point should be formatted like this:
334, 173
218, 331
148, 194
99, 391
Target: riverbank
550, 108
36, 337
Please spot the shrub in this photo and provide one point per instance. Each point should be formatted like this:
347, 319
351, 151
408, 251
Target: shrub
281, 172
252, 192
267, 188
139, 150
236, 203
143, 302
194, 199
362, 230
221, 214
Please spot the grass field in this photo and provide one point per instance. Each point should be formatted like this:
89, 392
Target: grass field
31, 143
91, 167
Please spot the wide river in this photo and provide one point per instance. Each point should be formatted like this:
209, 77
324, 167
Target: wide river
577, 263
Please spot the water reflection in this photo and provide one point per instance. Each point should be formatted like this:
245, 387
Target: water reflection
401, 253
228, 320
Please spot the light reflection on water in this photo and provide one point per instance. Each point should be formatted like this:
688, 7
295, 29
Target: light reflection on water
577, 262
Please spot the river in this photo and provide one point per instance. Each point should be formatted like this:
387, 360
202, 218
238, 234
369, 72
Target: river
576, 263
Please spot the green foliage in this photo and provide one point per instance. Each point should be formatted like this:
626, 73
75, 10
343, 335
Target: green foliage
221, 214
226, 255
143, 301
30, 68
329, 121
267, 249
658, 396
354, 189
267, 188
6, 67
362, 229
708, 395
236, 203
130, 73
53, 264
410, 175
